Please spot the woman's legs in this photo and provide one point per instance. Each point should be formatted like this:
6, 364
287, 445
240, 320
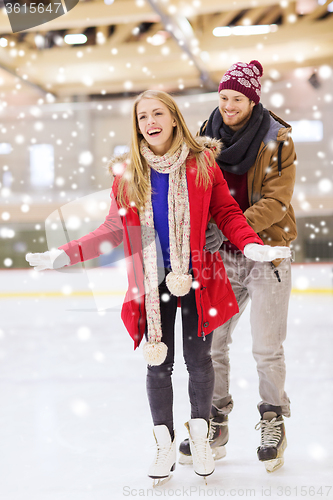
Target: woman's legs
159, 384
197, 356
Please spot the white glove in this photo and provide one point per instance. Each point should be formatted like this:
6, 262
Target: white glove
265, 253
53, 259
214, 237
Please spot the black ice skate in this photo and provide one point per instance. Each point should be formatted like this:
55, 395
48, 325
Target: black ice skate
218, 438
273, 437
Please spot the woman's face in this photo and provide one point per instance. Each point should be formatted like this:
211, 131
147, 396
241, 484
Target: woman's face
156, 124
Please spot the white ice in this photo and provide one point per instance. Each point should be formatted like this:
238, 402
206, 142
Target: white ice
75, 422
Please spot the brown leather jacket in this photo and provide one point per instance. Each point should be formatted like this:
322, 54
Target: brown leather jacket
270, 188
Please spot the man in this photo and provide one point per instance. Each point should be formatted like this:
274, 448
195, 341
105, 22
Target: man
258, 163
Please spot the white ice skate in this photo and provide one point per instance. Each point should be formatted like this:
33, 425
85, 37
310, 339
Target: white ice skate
203, 461
218, 438
165, 459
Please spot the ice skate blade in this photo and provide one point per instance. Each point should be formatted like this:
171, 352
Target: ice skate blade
218, 453
273, 465
159, 482
204, 476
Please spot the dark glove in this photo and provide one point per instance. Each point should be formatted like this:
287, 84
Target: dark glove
214, 237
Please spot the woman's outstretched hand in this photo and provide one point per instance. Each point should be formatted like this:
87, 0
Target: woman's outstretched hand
265, 253
53, 259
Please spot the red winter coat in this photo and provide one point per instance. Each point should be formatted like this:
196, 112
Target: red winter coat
215, 300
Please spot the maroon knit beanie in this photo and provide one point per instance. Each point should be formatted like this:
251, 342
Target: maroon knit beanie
245, 78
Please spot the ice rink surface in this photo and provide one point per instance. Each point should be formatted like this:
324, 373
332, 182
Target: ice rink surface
75, 422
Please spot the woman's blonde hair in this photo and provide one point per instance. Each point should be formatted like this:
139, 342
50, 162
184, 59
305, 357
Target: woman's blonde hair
134, 185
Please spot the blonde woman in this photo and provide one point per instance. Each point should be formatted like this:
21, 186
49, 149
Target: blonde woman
169, 185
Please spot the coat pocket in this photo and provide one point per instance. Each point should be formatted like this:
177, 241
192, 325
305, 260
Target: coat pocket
215, 281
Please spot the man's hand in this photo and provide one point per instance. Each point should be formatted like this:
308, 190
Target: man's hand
265, 253
214, 237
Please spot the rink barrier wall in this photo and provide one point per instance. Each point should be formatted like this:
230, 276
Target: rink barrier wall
307, 278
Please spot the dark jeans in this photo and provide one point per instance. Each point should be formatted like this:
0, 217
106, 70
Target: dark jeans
197, 356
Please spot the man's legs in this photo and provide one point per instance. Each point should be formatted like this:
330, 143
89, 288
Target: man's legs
268, 317
270, 292
269, 310
236, 271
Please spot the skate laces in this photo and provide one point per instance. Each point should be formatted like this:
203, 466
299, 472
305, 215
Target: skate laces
213, 427
270, 431
162, 453
201, 446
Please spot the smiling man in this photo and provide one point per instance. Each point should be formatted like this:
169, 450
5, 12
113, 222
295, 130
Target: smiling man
235, 108
258, 163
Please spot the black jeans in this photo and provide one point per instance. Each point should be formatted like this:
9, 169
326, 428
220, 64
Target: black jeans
197, 356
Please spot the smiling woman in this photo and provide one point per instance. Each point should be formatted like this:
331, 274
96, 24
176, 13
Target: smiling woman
156, 125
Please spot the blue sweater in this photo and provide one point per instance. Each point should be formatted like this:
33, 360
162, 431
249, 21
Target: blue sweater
159, 199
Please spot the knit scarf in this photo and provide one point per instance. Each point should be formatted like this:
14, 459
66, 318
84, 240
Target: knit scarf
178, 281
241, 147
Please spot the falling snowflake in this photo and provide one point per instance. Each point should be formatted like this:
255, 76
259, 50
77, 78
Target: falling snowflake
83, 333
86, 158
80, 408
325, 185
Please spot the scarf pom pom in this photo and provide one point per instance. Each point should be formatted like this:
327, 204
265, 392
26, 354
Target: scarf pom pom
154, 353
179, 284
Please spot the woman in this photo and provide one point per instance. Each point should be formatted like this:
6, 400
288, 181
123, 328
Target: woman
169, 184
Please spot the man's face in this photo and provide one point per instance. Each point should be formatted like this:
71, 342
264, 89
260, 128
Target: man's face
235, 108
